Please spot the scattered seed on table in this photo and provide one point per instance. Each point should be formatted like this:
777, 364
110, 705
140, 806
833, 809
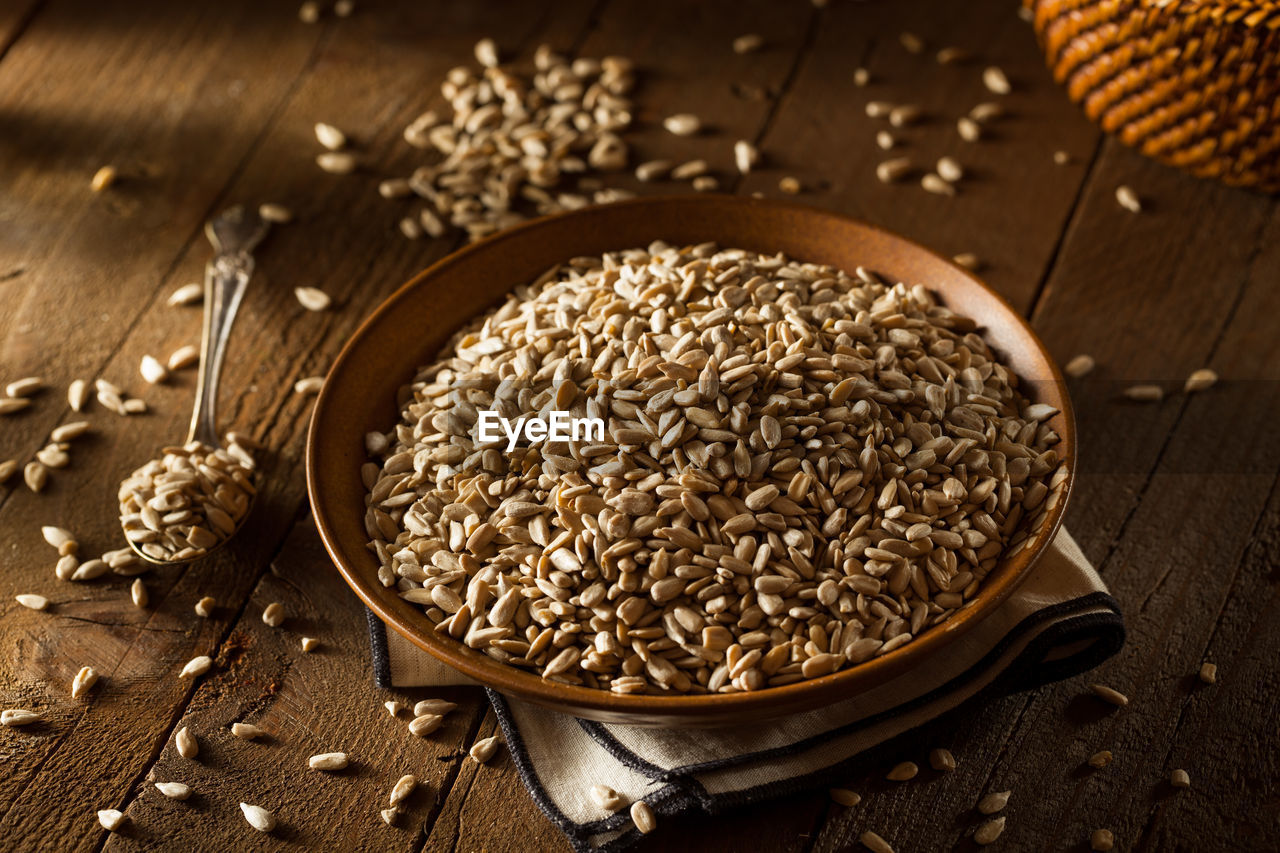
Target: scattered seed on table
308, 13
994, 802
845, 797
275, 213
952, 56
7, 469
486, 52
66, 567
138, 592
273, 614
989, 831
878, 109
1144, 393
1061, 158
968, 260
90, 570
969, 130
309, 644
187, 294
885, 140
1109, 695
389, 815
186, 743
196, 667
312, 298
705, 184
69, 432
32, 601
1080, 366
1101, 840
258, 817
482, 750
749, 43
403, 788
310, 385
643, 817
13, 404
83, 681
1208, 672
861, 76
1100, 759
935, 184
77, 394
903, 772
692, 169
103, 178
652, 170
434, 706
24, 387
152, 370
874, 842
61, 539
893, 170
174, 790
53, 456
330, 137
246, 731
790, 185
986, 111
1180, 779
745, 156
949, 169
410, 228
682, 124
336, 162
605, 797
204, 607
903, 115
395, 188
1199, 380
995, 79
942, 759
111, 819
425, 724
328, 761
911, 42
1128, 199
18, 717
183, 357
394, 707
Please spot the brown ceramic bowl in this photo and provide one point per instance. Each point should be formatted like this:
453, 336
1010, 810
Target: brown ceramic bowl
410, 327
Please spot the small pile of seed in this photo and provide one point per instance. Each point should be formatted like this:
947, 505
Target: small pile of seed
801, 470
512, 141
182, 505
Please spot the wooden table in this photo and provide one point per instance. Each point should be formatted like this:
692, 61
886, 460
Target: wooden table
203, 105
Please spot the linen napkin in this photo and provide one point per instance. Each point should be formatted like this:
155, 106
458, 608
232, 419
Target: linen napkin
1060, 622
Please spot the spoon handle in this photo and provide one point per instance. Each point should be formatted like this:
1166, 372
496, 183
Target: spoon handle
225, 278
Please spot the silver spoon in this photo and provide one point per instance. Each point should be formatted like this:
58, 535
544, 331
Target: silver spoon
194, 498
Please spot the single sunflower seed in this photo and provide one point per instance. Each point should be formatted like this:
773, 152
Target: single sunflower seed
111, 819
32, 601
204, 607
893, 170
66, 567
330, 137
9, 405
845, 797
77, 394
69, 432
53, 456
989, 831
83, 681
425, 724
903, 772
187, 294
942, 759
1100, 759
103, 178
258, 817
186, 743
247, 731
309, 644
652, 170
949, 169
90, 570
952, 56
1208, 672
403, 788
309, 385
308, 13
18, 717
986, 111
878, 109
336, 162
994, 802
24, 387
1180, 779
183, 357
861, 77
790, 185
1080, 365
389, 816
905, 114
682, 124
874, 842
1061, 158
643, 817
689, 170
885, 140
1199, 380
1101, 840
312, 298
273, 614
994, 78
196, 667
936, 184
344, 8
1144, 393
394, 707
138, 593
745, 156
1128, 199
486, 52
911, 42
968, 260
328, 761
482, 750
748, 43
174, 790
275, 213
605, 797
8, 468
1109, 695
152, 370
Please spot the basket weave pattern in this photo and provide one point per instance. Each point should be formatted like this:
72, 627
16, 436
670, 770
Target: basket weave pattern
1191, 83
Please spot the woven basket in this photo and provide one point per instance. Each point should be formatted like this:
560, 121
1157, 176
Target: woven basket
1191, 83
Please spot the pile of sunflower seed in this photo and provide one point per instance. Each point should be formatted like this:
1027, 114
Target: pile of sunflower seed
513, 139
801, 470
182, 505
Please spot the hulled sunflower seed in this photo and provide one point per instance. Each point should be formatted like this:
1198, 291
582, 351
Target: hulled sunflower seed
1180, 779
885, 140
103, 178
425, 724
274, 213
1061, 158
336, 162
66, 567
330, 137
308, 13
309, 385
247, 731
903, 772
309, 644
9, 405
652, 170
204, 607
24, 387
996, 80
1101, 840
18, 717
486, 52
705, 184
643, 817
1100, 759
258, 817
433, 706
53, 456
196, 667
845, 797
77, 394
745, 156
152, 370
994, 802
937, 185
32, 601
1109, 695
1144, 393
1208, 672
138, 593
83, 681
952, 56
389, 816
1080, 365
790, 185
187, 294
403, 788
989, 831
969, 130
1128, 199
61, 539
605, 797
968, 260
874, 842
328, 761
893, 170
8, 468
682, 124
90, 570
904, 114
878, 109
482, 750
1199, 380
749, 43
273, 614
949, 169
861, 77
186, 743
986, 111
394, 707
174, 790
395, 188
69, 432
183, 357
344, 8
111, 819
312, 298
691, 169
942, 759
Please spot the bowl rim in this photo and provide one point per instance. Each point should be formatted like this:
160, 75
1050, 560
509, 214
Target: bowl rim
526, 685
